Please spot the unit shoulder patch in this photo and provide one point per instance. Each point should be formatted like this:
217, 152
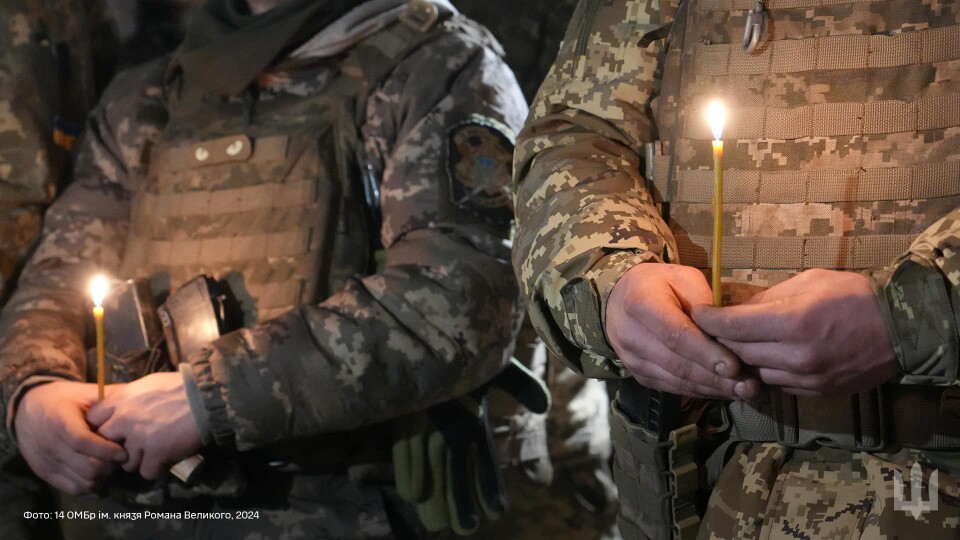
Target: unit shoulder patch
479, 168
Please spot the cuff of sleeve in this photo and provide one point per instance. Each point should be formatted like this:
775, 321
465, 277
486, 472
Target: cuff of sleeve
585, 304
28, 384
197, 409
209, 401
915, 302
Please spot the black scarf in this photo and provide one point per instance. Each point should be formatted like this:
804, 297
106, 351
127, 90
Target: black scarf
225, 47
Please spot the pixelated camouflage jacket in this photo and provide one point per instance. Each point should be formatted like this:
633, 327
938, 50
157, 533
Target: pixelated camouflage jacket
437, 321
54, 59
586, 213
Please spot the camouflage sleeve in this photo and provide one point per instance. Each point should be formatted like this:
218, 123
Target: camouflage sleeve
440, 318
43, 326
584, 213
49, 70
920, 298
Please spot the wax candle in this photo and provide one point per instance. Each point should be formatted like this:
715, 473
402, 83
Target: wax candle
716, 117
98, 291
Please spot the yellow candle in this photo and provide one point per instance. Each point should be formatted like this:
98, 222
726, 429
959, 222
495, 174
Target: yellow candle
98, 290
716, 262
716, 116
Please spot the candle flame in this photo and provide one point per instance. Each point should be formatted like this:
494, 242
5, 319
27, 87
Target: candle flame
98, 290
716, 117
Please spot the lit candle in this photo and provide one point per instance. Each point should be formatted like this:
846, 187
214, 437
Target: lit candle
716, 116
98, 291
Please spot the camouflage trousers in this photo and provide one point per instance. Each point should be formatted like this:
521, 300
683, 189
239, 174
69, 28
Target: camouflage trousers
767, 491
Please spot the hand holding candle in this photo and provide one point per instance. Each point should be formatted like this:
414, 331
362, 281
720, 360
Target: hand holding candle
716, 117
98, 291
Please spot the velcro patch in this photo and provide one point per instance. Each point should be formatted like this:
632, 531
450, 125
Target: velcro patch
479, 167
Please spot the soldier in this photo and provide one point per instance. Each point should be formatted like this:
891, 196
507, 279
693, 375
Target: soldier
835, 358
54, 56
275, 149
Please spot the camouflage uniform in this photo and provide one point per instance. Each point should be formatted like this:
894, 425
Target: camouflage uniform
580, 501
436, 321
53, 55
840, 154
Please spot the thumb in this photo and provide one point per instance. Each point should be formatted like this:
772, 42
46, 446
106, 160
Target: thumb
99, 413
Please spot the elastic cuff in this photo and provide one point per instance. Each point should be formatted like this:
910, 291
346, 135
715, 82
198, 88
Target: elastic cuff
585, 302
915, 302
210, 393
197, 409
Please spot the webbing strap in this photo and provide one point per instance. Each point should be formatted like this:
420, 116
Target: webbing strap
684, 482
831, 52
795, 252
242, 199
742, 5
925, 181
837, 185
887, 418
160, 253
833, 119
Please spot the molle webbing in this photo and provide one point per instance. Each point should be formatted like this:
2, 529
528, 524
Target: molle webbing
925, 181
795, 252
267, 189
830, 53
841, 142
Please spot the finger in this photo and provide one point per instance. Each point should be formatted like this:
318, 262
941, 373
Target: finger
114, 429
134, 460
692, 289
76, 483
653, 376
63, 483
683, 369
774, 355
86, 467
786, 379
766, 321
78, 437
672, 328
151, 468
99, 413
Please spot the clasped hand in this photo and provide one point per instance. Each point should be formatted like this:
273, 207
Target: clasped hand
818, 333
74, 442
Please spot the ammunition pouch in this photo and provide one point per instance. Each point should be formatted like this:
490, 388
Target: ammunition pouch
883, 419
657, 480
655, 465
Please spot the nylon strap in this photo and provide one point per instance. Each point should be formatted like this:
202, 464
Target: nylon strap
887, 418
832, 52
684, 482
279, 195
795, 252
926, 181
742, 5
833, 119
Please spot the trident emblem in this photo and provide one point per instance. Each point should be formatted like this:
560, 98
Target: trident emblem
915, 505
